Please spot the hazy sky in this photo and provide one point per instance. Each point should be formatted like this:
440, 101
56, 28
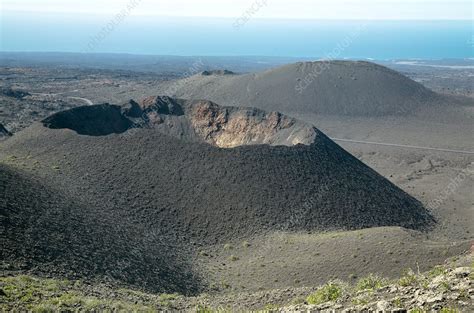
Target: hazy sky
301, 9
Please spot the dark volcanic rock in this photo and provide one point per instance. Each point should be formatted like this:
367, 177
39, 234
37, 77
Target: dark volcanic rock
217, 72
4, 132
132, 109
14, 93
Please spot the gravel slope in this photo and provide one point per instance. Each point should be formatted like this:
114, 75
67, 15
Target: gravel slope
46, 230
345, 88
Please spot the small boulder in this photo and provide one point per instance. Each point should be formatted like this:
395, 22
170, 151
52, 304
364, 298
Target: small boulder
434, 299
383, 306
461, 271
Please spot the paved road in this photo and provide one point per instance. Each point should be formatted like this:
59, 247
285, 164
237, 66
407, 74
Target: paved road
402, 146
89, 102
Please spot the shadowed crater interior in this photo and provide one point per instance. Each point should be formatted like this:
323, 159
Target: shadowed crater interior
94, 120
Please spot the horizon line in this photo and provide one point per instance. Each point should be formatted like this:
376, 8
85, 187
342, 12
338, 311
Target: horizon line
237, 16
317, 58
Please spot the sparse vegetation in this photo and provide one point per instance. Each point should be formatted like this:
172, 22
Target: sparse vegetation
436, 271
26, 293
328, 292
449, 310
360, 300
203, 309
463, 294
166, 299
367, 294
445, 285
397, 302
371, 282
271, 307
33, 294
409, 278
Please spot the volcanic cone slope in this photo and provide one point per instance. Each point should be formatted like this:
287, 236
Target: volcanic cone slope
135, 205
323, 87
47, 231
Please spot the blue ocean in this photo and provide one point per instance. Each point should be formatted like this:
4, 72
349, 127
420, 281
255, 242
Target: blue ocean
257, 37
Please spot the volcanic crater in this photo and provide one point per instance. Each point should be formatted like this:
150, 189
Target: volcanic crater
201, 120
151, 181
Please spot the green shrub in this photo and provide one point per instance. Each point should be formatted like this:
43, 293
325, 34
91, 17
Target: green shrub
437, 271
409, 278
397, 302
449, 310
371, 282
35, 294
361, 300
166, 299
445, 285
205, 309
329, 292
43, 308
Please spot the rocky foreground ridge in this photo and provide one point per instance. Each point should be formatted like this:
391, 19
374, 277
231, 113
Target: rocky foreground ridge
443, 289
446, 288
